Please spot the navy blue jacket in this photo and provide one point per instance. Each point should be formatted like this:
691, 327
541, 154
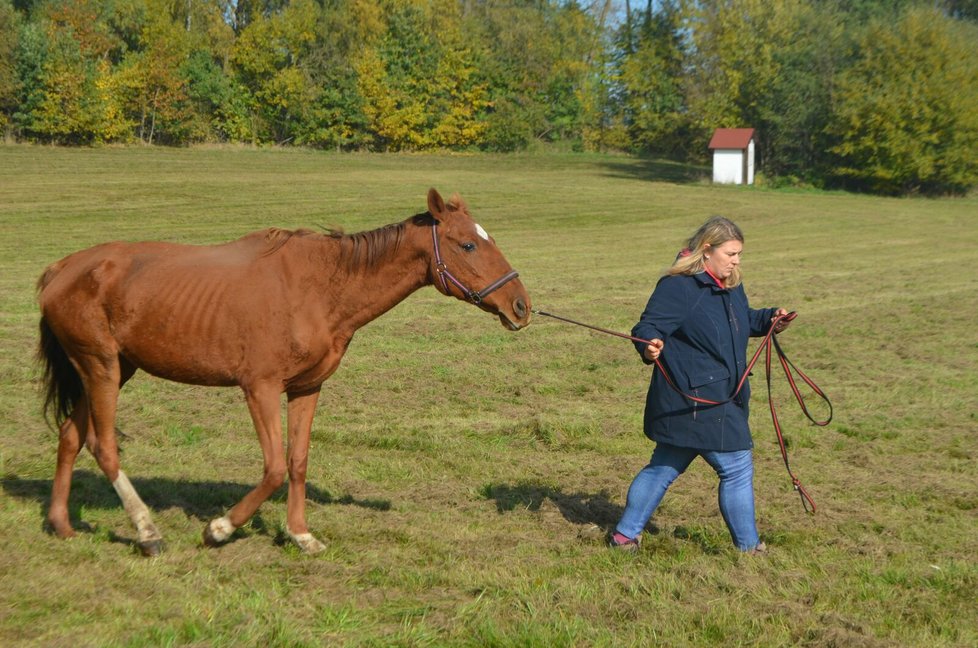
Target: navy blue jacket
705, 329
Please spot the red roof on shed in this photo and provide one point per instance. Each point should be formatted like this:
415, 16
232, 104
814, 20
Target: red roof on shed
731, 138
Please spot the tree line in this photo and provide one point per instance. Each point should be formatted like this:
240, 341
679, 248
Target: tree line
878, 95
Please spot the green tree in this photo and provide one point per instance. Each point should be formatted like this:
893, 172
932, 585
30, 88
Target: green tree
31, 51
793, 113
577, 90
9, 83
220, 107
65, 70
179, 64
540, 60
650, 75
62, 55
748, 70
270, 60
62, 96
905, 113
336, 118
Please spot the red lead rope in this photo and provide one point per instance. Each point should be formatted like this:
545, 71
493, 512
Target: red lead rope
768, 345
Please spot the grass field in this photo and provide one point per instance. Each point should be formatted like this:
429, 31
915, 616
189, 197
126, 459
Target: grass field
463, 477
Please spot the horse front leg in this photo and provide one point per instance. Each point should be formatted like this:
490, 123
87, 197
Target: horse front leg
263, 404
302, 408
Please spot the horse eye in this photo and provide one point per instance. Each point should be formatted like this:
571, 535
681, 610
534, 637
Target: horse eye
468, 247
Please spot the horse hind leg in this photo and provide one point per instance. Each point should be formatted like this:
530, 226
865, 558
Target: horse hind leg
71, 436
150, 541
103, 383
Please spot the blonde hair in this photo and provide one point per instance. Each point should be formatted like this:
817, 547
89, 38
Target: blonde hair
714, 232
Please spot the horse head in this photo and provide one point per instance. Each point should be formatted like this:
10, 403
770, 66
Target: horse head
469, 266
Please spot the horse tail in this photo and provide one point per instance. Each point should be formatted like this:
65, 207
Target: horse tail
62, 384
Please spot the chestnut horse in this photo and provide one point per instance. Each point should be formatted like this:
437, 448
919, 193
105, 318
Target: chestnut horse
272, 312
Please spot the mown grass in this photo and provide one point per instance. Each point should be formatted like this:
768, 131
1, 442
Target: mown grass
463, 477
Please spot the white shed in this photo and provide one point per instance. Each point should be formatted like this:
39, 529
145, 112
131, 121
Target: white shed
733, 155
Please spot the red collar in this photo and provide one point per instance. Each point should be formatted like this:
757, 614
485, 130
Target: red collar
714, 277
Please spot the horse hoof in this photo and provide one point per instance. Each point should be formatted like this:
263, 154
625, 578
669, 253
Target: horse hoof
217, 532
209, 539
307, 543
61, 532
151, 548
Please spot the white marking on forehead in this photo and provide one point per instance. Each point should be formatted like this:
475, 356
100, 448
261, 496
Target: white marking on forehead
481, 232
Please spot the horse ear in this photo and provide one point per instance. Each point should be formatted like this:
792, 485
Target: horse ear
435, 203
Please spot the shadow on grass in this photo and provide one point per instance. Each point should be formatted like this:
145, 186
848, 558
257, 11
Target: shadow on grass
595, 509
657, 170
578, 508
200, 499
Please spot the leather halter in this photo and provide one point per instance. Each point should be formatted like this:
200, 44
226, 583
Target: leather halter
446, 276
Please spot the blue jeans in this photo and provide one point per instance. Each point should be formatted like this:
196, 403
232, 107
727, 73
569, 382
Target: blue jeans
736, 472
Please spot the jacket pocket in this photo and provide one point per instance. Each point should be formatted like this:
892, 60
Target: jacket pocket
709, 376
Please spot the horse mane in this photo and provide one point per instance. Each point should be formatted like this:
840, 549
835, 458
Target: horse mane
276, 237
367, 249
361, 249
455, 203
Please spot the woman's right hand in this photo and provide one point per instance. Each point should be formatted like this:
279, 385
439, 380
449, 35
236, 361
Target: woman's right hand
654, 349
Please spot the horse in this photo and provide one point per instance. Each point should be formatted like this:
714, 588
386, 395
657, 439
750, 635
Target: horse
272, 312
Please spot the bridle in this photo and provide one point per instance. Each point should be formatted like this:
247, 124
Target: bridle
769, 345
446, 276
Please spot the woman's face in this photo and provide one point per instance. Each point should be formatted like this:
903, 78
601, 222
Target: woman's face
722, 259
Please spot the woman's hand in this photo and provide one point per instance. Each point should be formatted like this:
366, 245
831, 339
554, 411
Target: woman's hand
654, 349
783, 324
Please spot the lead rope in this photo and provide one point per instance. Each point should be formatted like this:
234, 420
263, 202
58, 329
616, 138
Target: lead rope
769, 343
788, 366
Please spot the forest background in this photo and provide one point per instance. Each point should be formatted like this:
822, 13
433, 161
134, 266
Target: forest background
873, 95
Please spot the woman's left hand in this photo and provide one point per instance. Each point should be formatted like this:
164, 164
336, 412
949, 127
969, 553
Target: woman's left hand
783, 324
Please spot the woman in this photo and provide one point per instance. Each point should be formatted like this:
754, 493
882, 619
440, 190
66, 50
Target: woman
697, 323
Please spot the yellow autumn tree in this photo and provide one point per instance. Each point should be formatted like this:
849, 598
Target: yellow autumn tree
419, 81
